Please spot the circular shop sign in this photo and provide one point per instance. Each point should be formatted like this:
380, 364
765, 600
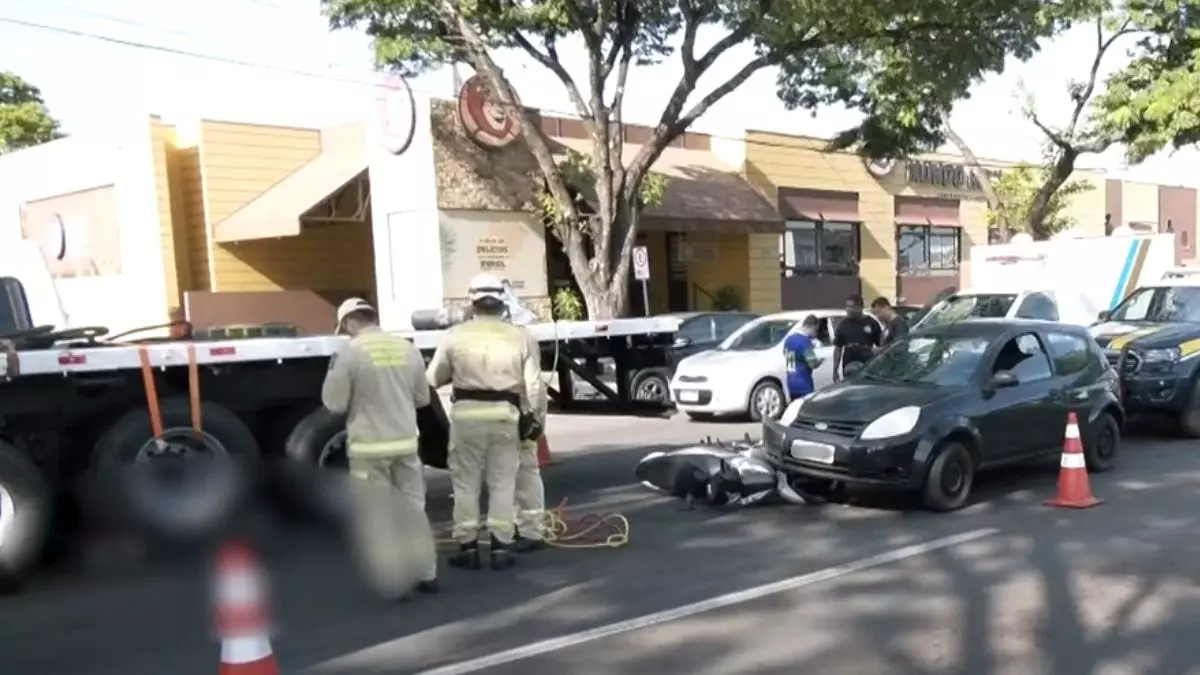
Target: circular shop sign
397, 114
485, 119
880, 168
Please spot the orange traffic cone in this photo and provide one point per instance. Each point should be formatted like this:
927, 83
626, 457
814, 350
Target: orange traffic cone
1074, 492
241, 613
543, 451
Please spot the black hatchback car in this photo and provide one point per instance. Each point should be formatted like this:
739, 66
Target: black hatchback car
933, 409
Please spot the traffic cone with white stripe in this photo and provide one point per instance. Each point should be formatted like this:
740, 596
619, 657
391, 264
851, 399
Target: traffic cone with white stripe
543, 451
241, 613
1074, 492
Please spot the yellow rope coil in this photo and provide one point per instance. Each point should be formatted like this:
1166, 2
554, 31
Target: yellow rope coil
563, 532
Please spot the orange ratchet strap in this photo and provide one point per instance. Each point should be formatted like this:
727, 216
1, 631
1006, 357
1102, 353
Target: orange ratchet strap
156, 424
152, 403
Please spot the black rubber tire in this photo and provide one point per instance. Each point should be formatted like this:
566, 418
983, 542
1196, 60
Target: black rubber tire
26, 529
700, 416
311, 490
138, 497
752, 409
651, 377
1189, 418
933, 494
1096, 461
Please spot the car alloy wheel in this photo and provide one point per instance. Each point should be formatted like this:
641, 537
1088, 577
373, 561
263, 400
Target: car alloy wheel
768, 403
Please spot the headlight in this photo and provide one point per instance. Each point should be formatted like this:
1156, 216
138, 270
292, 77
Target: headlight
793, 411
896, 423
1164, 355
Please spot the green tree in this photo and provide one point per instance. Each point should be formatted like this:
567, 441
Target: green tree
1154, 101
1018, 191
900, 63
24, 118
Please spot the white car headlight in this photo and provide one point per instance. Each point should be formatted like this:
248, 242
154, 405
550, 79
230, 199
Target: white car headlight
793, 410
896, 423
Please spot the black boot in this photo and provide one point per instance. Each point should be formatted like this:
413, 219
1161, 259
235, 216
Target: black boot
431, 586
526, 545
502, 558
467, 557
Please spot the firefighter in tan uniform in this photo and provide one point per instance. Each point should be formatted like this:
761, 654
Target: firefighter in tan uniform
496, 399
531, 492
378, 382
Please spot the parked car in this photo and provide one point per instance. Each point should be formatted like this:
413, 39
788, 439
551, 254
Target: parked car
702, 331
744, 375
935, 408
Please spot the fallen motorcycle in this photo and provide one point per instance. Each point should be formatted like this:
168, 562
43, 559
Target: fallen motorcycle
733, 475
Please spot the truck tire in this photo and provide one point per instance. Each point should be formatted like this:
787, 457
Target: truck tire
202, 495
24, 517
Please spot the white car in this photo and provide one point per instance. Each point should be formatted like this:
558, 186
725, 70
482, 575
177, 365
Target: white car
746, 373
1045, 304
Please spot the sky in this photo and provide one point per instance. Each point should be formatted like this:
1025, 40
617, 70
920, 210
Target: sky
277, 62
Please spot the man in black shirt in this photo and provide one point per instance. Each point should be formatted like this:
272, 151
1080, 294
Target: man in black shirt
856, 338
895, 327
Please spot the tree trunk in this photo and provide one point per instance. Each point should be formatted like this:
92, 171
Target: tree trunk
608, 296
1063, 167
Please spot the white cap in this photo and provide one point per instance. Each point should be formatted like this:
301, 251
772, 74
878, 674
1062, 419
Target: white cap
485, 286
350, 306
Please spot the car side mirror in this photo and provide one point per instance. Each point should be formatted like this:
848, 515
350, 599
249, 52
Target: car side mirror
681, 342
1102, 316
1003, 379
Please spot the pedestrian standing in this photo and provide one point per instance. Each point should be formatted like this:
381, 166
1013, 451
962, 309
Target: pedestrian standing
894, 325
378, 381
495, 372
855, 339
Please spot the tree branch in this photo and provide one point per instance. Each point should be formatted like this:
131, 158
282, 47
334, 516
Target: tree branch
985, 181
668, 129
550, 60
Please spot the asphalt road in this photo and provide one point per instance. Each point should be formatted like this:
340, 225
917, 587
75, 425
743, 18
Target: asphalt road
1006, 586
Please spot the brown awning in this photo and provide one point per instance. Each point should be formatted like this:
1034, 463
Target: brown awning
827, 205
276, 212
927, 211
700, 188
658, 224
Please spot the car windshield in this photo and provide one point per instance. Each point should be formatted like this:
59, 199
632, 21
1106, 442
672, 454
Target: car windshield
761, 334
932, 360
1180, 304
975, 306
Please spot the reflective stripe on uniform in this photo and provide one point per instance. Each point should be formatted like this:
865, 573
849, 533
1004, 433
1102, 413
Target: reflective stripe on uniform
400, 446
384, 350
529, 446
493, 523
478, 412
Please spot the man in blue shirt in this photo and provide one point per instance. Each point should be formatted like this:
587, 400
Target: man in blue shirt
799, 352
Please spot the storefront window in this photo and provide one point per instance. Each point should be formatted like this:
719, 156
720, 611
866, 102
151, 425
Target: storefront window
811, 246
921, 249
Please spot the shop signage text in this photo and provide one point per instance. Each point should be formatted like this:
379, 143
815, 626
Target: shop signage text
943, 174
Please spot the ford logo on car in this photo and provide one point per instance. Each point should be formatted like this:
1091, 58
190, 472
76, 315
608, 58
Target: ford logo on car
820, 426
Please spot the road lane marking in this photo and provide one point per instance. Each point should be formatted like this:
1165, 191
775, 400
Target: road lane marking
542, 647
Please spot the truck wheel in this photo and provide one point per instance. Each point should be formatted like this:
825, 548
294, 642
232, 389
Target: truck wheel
313, 469
1189, 419
948, 484
24, 517
182, 484
651, 385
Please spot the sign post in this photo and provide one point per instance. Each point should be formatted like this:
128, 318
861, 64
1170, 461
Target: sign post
641, 272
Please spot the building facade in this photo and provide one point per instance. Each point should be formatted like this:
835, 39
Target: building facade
229, 222
898, 229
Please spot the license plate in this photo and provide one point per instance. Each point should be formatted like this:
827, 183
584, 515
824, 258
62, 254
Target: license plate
689, 396
813, 452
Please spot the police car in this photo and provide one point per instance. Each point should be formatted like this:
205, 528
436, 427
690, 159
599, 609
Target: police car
1152, 340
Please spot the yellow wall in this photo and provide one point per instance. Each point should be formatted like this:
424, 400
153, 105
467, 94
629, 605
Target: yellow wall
162, 139
1139, 203
1088, 208
765, 292
238, 163
731, 267
774, 161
